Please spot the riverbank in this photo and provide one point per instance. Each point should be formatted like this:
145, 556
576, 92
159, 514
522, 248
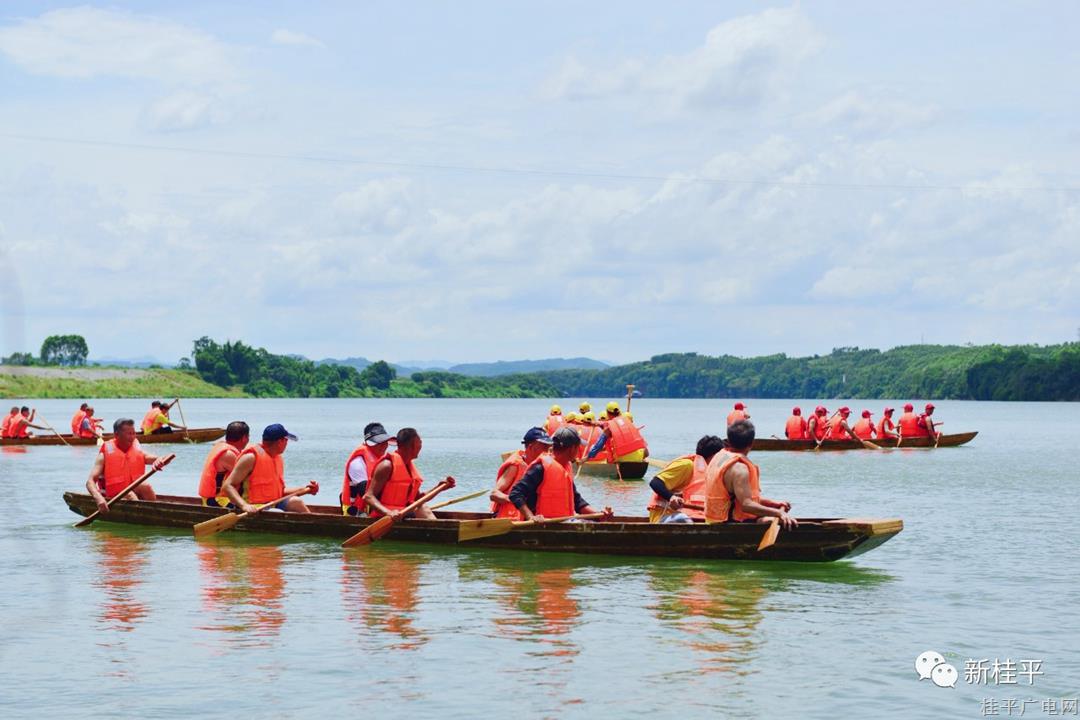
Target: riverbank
106, 382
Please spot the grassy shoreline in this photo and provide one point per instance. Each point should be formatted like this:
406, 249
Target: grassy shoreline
25, 383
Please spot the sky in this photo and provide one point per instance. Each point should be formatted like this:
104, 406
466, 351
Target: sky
475, 181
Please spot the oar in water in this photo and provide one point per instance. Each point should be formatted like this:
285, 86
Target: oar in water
769, 538
380, 527
489, 527
657, 462
228, 522
54, 432
123, 493
463, 498
187, 435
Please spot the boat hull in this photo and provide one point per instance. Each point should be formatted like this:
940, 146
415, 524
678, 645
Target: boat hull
195, 435
820, 540
775, 444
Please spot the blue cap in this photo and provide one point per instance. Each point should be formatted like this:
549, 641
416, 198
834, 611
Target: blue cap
275, 432
536, 435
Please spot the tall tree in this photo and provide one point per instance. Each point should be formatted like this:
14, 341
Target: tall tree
64, 350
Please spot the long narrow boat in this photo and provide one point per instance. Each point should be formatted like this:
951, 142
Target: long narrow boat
767, 444
195, 435
815, 540
610, 470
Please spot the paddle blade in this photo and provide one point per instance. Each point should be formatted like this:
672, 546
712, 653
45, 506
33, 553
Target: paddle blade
769, 538
371, 533
86, 520
216, 525
488, 527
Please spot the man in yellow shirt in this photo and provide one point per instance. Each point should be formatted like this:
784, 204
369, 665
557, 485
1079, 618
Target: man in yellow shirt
683, 482
157, 420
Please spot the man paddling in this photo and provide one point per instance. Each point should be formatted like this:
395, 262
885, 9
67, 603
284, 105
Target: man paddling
908, 424
555, 420
361, 466
732, 485
818, 425
621, 436
395, 483
838, 426
89, 426
796, 426
76, 419
885, 426
21, 424
5, 427
119, 462
536, 442
926, 422
259, 474
547, 490
157, 420
737, 414
864, 428
219, 463
683, 481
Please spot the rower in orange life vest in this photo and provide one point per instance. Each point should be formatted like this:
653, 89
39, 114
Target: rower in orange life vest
76, 419
546, 490
908, 425
120, 461
396, 482
796, 427
926, 423
732, 484
536, 442
885, 425
818, 425
683, 482
739, 413
259, 474
89, 426
838, 427
555, 420
361, 466
157, 420
19, 424
864, 427
624, 440
5, 427
219, 463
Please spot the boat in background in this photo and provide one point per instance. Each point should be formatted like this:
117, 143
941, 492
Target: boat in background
771, 444
194, 435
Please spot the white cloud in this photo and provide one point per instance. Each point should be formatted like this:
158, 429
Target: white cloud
743, 62
877, 114
185, 110
298, 39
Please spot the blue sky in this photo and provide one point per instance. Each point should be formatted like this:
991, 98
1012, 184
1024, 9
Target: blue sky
480, 181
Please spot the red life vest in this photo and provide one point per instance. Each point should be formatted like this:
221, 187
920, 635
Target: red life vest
76, 421
836, 432
148, 420
517, 460
909, 426
121, 468
589, 434
625, 437
863, 429
20, 427
553, 423
402, 487
555, 495
87, 433
795, 429
735, 416
721, 505
821, 427
5, 427
693, 492
267, 479
885, 428
370, 461
211, 478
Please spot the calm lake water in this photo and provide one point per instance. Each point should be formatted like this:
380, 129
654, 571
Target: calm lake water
113, 621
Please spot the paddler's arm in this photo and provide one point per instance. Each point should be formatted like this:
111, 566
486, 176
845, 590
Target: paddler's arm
595, 450
739, 477
375, 487
523, 494
92, 486
502, 485
235, 480
583, 508
669, 481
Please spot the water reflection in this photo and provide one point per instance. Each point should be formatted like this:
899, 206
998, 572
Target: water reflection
242, 591
381, 591
121, 561
538, 606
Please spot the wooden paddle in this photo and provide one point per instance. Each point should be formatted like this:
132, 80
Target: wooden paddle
380, 527
769, 538
463, 498
629, 394
123, 493
187, 435
657, 462
489, 527
50, 427
228, 522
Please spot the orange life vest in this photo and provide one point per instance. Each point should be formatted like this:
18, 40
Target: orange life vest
267, 479
735, 416
88, 433
721, 505
555, 495
835, 431
5, 427
885, 427
625, 437
589, 434
370, 461
693, 492
863, 429
211, 478
516, 459
20, 427
909, 426
148, 420
795, 429
553, 423
76, 421
821, 427
402, 487
121, 468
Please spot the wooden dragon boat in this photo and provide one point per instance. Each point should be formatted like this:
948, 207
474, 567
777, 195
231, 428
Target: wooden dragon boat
815, 540
195, 435
768, 444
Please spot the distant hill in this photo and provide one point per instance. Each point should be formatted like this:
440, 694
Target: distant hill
404, 369
140, 362
511, 367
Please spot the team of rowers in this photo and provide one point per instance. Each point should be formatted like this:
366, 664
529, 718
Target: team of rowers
19, 421
715, 483
821, 426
